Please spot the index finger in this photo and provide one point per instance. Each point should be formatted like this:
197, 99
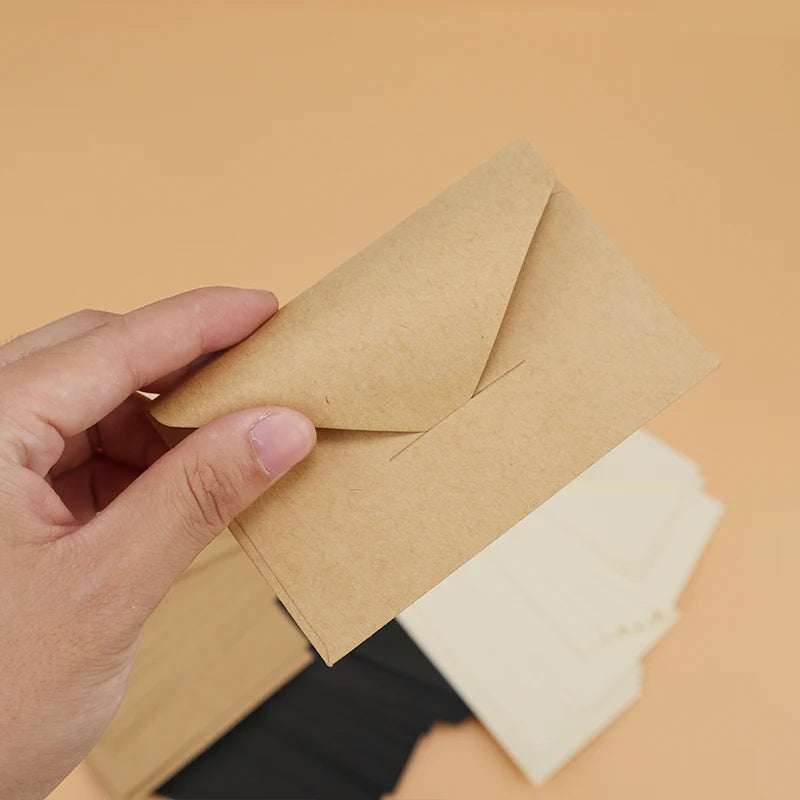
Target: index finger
74, 384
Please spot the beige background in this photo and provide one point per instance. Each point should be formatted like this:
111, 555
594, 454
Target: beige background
146, 148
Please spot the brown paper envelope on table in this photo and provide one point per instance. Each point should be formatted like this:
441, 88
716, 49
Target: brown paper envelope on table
217, 645
460, 370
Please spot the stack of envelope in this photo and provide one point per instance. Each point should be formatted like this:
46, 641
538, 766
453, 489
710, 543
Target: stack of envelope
460, 370
543, 632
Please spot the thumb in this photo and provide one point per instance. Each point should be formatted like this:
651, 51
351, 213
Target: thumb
154, 529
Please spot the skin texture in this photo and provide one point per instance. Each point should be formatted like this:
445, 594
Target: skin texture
97, 518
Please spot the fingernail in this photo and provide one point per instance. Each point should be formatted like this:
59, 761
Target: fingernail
271, 298
282, 438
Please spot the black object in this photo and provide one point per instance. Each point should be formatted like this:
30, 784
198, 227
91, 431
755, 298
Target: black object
332, 733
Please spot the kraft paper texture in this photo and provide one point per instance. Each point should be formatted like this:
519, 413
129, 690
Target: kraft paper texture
460, 370
217, 645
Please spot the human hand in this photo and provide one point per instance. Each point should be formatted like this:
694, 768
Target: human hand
97, 519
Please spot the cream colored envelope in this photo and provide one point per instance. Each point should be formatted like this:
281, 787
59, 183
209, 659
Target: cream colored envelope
461, 369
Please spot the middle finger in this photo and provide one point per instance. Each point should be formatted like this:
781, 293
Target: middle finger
125, 435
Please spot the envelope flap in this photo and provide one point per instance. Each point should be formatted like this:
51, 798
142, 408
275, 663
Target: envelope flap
398, 336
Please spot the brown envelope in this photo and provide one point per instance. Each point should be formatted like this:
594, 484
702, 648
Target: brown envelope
216, 646
461, 369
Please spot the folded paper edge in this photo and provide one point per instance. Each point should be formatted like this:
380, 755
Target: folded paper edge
282, 594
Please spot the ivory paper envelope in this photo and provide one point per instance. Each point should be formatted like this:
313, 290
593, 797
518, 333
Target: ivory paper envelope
461, 369
540, 633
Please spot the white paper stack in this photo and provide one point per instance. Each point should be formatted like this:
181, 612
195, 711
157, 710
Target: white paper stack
543, 632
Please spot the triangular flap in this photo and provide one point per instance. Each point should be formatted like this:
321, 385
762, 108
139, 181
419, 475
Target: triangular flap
398, 336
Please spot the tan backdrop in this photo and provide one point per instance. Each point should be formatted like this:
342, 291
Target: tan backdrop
149, 147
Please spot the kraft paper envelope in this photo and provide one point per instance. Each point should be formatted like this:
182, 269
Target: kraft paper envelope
217, 645
461, 369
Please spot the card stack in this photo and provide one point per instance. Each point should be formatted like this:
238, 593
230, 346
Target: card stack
543, 632
541, 635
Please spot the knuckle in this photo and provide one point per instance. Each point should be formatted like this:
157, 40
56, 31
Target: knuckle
122, 332
92, 317
210, 495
